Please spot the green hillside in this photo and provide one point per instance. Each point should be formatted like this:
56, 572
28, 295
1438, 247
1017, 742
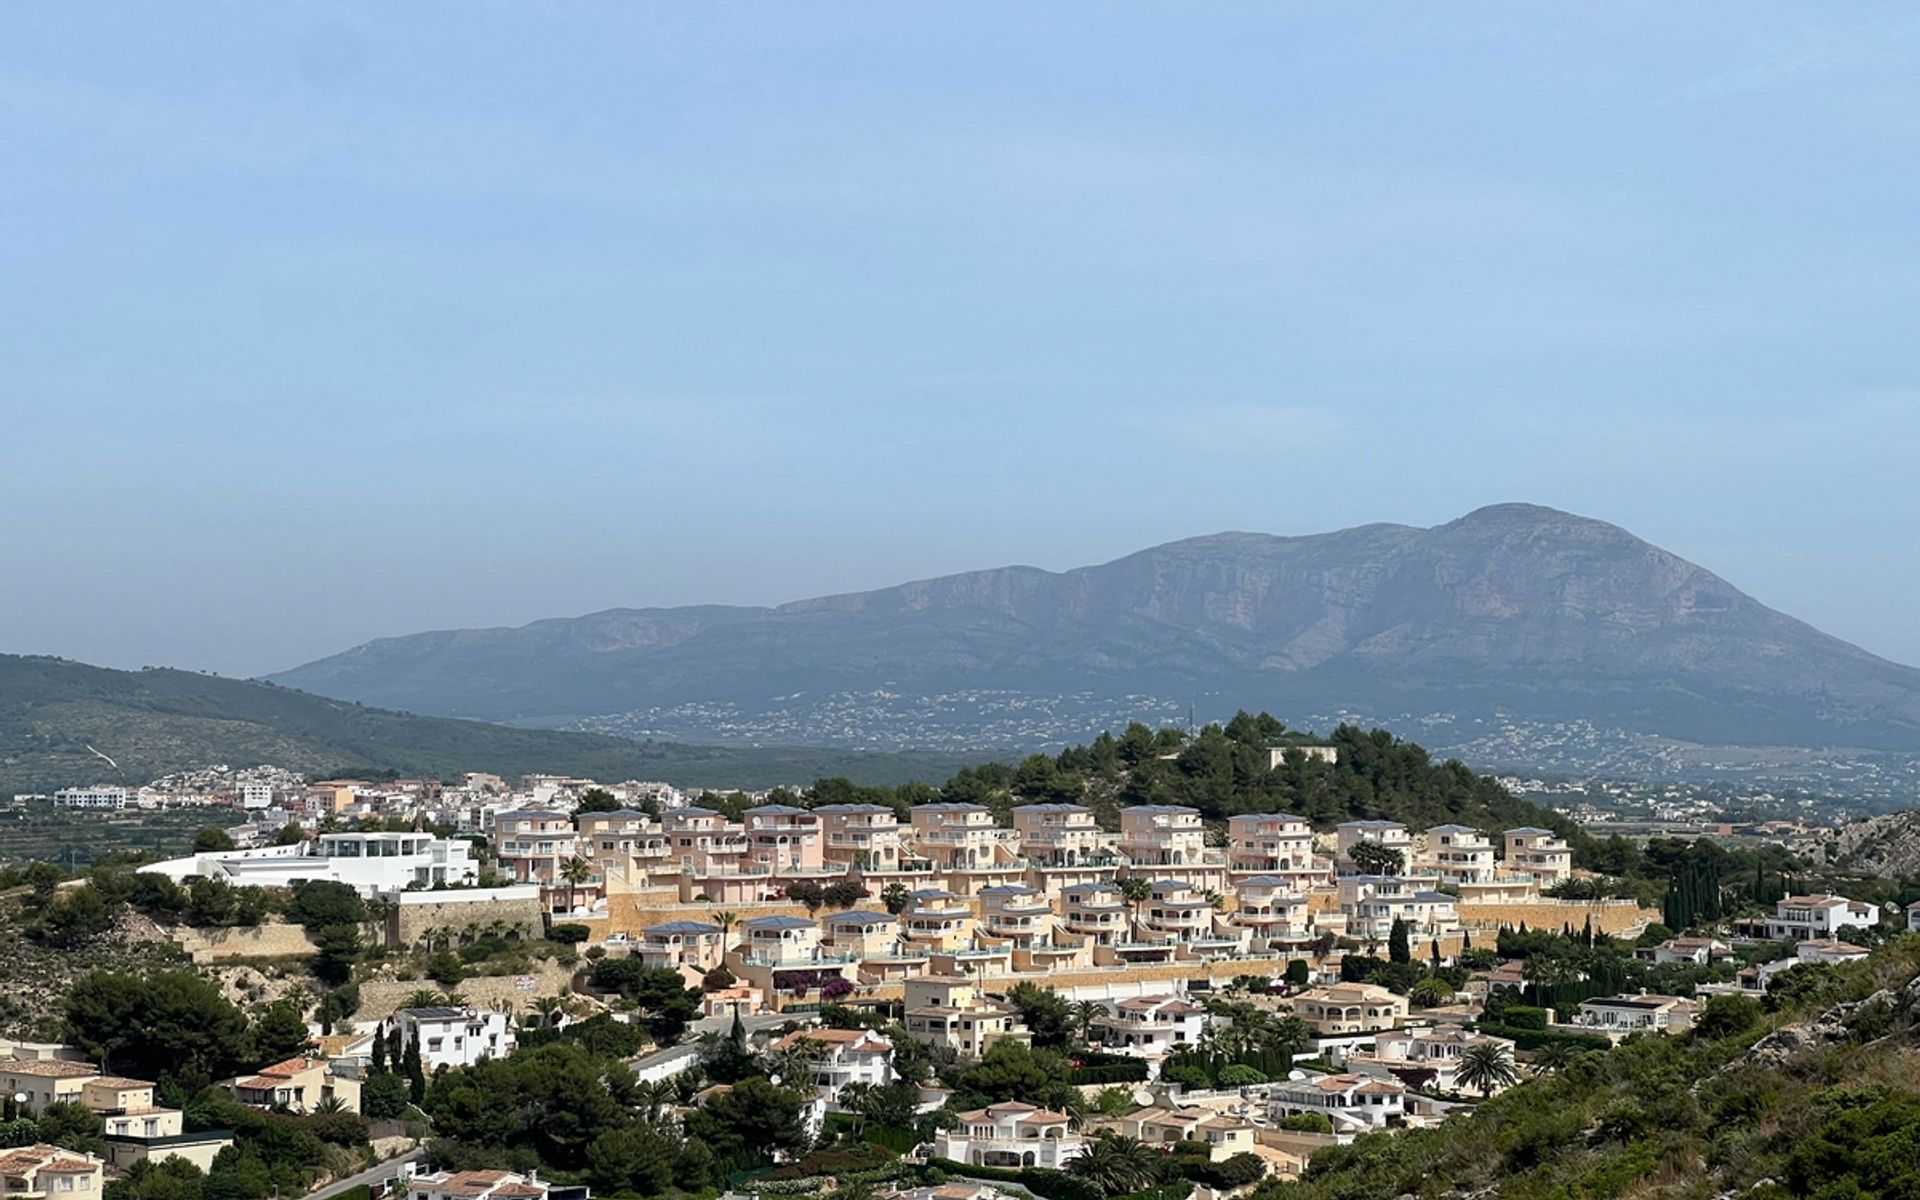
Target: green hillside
155, 721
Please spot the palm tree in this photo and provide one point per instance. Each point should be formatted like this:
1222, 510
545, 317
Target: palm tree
1552, 1057
1290, 1035
328, 1105
1134, 890
726, 919
575, 871
1485, 1066
424, 998
1085, 1013
547, 1007
1117, 1164
1430, 992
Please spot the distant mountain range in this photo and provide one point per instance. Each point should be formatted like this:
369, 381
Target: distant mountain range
1513, 611
64, 723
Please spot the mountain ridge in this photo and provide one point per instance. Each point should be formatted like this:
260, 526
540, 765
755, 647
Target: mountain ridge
62, 721
1510, 607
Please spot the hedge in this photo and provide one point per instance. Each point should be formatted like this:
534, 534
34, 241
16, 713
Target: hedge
1533, 1039
1133, 1071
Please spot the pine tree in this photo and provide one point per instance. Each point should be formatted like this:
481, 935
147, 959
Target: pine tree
416, 1072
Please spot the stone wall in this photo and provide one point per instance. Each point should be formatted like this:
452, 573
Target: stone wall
1609, 916
215, 945
381, 998
417, 912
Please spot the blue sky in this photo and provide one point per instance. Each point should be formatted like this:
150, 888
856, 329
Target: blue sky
329, 323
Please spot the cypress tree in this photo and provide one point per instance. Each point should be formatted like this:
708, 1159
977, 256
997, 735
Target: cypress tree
380, 1049
1398, 948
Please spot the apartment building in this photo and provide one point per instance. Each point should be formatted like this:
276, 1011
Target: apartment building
1425, 914
783, 840
1541, 853
1271, 911
861, 934
1166, 1123
1267, 842
1060, 835
1162, 835
703, 842
1096, 912
534, 846
937, 920
866, 836
1391, 834
780, 942
962, 837
1016, 915
1011, 1135
626, 844
695, 945
1460, 854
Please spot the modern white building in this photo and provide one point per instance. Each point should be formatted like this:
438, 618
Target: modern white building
373, 864
91, 797
453, 1037
1815, 917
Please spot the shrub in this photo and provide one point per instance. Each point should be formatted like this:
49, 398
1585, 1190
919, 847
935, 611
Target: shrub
1307, 1123
1521, 1016
1240, 1075
570, 932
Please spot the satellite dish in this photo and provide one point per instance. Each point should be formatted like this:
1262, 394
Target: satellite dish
1295, 1076
1142, 1096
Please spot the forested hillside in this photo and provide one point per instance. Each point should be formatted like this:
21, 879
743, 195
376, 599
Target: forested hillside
1222, 770
1814, 1092
64, 723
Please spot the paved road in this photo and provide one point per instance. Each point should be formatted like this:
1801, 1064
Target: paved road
372, 1176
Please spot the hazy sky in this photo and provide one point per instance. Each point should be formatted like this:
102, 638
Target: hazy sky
321, 324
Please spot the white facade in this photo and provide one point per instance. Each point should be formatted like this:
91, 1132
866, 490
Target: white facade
839, 1057
91, 797
1636, 1014
1153, 1026
1813, 918
1011, 1135
454, 1037
1354, 1103
373, 864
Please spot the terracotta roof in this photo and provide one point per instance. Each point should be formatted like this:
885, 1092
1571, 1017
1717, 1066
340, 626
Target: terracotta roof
48, 1068
45, 1157
832, 1037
